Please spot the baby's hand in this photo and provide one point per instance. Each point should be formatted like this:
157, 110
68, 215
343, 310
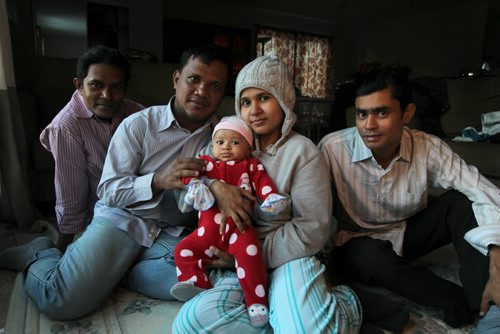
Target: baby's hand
274, 204
198, 195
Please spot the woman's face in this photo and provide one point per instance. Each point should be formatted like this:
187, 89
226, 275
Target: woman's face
263, 114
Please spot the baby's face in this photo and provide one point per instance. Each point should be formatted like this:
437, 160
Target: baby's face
230, 145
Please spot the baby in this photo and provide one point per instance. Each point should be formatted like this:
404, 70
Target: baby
232, 148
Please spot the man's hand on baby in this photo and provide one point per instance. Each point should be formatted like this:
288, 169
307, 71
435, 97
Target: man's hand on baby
232, 202
223, 260
170, 177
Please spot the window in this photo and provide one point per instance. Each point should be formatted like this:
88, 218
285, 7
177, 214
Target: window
308, 56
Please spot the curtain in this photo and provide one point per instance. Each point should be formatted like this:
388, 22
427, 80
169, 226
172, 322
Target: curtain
313, 66
17, 207
283, 43
309, 57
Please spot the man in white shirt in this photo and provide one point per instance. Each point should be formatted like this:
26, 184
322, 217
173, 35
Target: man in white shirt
381, 173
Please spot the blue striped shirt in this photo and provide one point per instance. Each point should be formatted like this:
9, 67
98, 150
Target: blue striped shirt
144, 143
376, 202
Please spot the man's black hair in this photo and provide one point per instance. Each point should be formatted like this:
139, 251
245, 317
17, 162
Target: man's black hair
100, 54
207, 54
394, 77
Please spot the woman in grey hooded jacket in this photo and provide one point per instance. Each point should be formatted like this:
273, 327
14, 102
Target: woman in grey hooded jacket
300, 301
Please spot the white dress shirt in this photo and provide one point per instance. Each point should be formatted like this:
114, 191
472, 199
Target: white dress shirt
376, 202
144, 143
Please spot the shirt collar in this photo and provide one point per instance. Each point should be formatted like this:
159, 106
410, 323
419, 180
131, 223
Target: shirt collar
361, 152
84, 112
168, 120
406, 147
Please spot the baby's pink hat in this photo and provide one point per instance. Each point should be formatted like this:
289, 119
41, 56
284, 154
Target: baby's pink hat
236, 124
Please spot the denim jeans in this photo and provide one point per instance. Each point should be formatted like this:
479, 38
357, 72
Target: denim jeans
74, 284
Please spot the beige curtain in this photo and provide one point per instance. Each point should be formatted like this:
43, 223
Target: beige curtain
309, 57
313, 66
17, 207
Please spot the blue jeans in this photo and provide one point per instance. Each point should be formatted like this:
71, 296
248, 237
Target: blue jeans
72, 285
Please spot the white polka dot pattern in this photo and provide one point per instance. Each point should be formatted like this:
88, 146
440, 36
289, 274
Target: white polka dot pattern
209, 253
240, 272
260, 291
233, 238
266, 190
252, 250
186, 253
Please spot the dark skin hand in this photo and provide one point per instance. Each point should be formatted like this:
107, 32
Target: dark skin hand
170, 177
223, 260
491, 292
231, 203
229, 198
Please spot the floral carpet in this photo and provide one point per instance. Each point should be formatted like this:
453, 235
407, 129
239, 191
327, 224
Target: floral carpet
123, 312
128, 312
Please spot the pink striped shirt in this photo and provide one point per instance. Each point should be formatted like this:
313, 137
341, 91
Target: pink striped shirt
78, 142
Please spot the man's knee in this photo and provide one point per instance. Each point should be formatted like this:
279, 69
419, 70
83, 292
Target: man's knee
460, 215
365, 256
456, 198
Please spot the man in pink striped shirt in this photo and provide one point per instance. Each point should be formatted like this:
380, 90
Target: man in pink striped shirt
78, 137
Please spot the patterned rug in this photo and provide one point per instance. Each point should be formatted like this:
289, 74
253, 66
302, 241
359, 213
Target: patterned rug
128, 312
123, 312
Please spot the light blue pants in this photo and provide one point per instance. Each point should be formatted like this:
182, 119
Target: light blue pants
76, 283
299, 300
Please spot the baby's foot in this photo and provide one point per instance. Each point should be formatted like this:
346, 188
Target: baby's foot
184, 291
259, 315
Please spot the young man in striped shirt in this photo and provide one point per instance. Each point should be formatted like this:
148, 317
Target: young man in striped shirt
78, 137
381, 172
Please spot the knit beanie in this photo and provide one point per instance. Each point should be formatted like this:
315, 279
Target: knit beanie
235, 124
269, 73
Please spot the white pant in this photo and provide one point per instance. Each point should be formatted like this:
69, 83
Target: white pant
300, 302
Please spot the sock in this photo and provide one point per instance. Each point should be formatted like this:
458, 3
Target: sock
259, 315
16, 258
184, 291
